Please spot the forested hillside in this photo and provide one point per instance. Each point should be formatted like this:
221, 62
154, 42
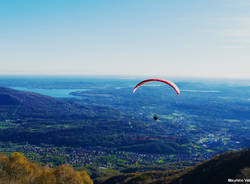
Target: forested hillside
16, 169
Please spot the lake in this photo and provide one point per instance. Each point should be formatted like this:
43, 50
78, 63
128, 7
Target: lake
58, 93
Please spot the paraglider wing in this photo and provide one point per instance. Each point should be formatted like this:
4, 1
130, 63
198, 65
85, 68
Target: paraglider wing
173, 85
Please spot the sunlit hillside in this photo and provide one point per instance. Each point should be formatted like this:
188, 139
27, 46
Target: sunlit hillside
219, 170
16, 169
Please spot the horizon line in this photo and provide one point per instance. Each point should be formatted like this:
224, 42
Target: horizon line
125, 76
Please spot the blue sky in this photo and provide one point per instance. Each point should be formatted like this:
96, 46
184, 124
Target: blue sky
175, 38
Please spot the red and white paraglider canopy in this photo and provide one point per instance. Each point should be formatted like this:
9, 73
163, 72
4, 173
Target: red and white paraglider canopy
173, 85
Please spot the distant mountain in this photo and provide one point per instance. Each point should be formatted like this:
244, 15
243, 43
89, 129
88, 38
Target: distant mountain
29, 104
10, 96
231, 165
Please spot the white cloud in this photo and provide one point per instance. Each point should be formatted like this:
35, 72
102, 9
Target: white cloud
234, 32
241, 19
238, 32
233, 19
236, 46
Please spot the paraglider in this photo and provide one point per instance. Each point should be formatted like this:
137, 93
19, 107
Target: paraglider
173, 85
155, 117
